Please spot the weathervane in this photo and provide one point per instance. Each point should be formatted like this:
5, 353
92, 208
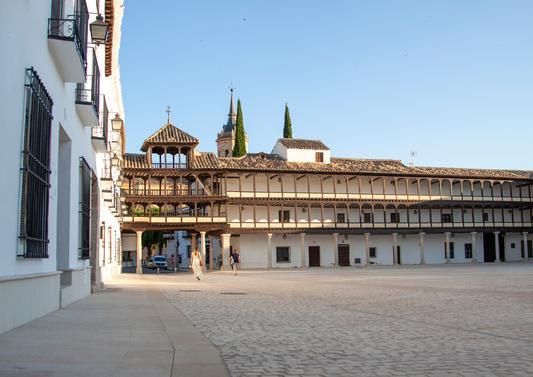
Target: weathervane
168, 111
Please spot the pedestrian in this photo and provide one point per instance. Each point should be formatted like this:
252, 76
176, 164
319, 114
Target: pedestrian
196, 264
173, 262
235, 259
179, 261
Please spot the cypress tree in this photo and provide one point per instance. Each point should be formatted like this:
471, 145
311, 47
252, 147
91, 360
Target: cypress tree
287, 128
239, 149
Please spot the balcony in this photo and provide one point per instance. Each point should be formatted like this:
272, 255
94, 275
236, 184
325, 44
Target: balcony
88, 96
99, 134
68, 44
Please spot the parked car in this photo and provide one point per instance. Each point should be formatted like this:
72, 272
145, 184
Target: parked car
158, 261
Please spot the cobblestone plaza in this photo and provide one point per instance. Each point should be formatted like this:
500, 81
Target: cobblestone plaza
432, 321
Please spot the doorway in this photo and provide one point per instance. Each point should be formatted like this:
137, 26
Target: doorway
489, 247
314, 256
344, 255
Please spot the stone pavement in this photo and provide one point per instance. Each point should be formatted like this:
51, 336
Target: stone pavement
463, 320
125, 330
468, 320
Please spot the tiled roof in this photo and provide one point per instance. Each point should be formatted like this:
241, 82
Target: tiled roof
274, 163
206, 161
135, 161
304, 144
169, 134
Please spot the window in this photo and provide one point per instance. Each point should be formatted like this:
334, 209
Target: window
284, 216
367, 217
395, 217
446, 218
485, 216
85, 210
513, 245
319, 156
468, 250
341, 217
283, 254
372, 252
35, 168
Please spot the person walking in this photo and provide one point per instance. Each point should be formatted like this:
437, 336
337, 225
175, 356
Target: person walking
197, 264
173, 262
235, 259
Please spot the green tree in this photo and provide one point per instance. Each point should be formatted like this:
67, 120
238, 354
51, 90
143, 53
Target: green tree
287, 128
239, 149
153, 237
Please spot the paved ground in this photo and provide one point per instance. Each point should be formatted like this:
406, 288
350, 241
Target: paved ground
411, 321
403, 321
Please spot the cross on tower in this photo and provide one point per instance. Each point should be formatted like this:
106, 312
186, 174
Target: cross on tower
168, 111
231, 87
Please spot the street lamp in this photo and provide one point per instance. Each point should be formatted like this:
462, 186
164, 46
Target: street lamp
117, 123
115, 160
99, 30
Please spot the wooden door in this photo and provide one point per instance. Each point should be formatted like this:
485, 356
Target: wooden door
344, 255
314, 256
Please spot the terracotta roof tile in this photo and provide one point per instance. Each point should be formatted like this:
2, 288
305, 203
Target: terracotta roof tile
273, 163
304, 144
169, 134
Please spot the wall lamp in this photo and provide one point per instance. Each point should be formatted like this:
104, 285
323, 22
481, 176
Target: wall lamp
99, 30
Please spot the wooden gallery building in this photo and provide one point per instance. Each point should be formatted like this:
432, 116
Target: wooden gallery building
300, 207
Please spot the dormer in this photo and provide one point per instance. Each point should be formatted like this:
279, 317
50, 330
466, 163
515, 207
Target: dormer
170, 148
301, 150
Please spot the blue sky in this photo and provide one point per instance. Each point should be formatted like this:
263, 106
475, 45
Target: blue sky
450, 79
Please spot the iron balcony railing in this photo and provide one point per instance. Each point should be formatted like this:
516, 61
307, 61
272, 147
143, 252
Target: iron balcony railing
68, 29
101, 131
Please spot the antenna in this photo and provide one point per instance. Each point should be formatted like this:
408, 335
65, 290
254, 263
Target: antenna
412, 158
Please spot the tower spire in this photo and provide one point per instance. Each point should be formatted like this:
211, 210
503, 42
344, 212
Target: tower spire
232, 115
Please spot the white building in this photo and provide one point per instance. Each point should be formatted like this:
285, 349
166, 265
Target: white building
301, 207
61, 222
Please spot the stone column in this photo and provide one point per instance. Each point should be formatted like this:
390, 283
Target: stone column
202, 248
302, 249
225, 251
474, 255
394, 248
211, 256
139, 268
447, 247
524, 234
334, 239
269, 250
421, 244
194, 245
497, 244
367, 249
